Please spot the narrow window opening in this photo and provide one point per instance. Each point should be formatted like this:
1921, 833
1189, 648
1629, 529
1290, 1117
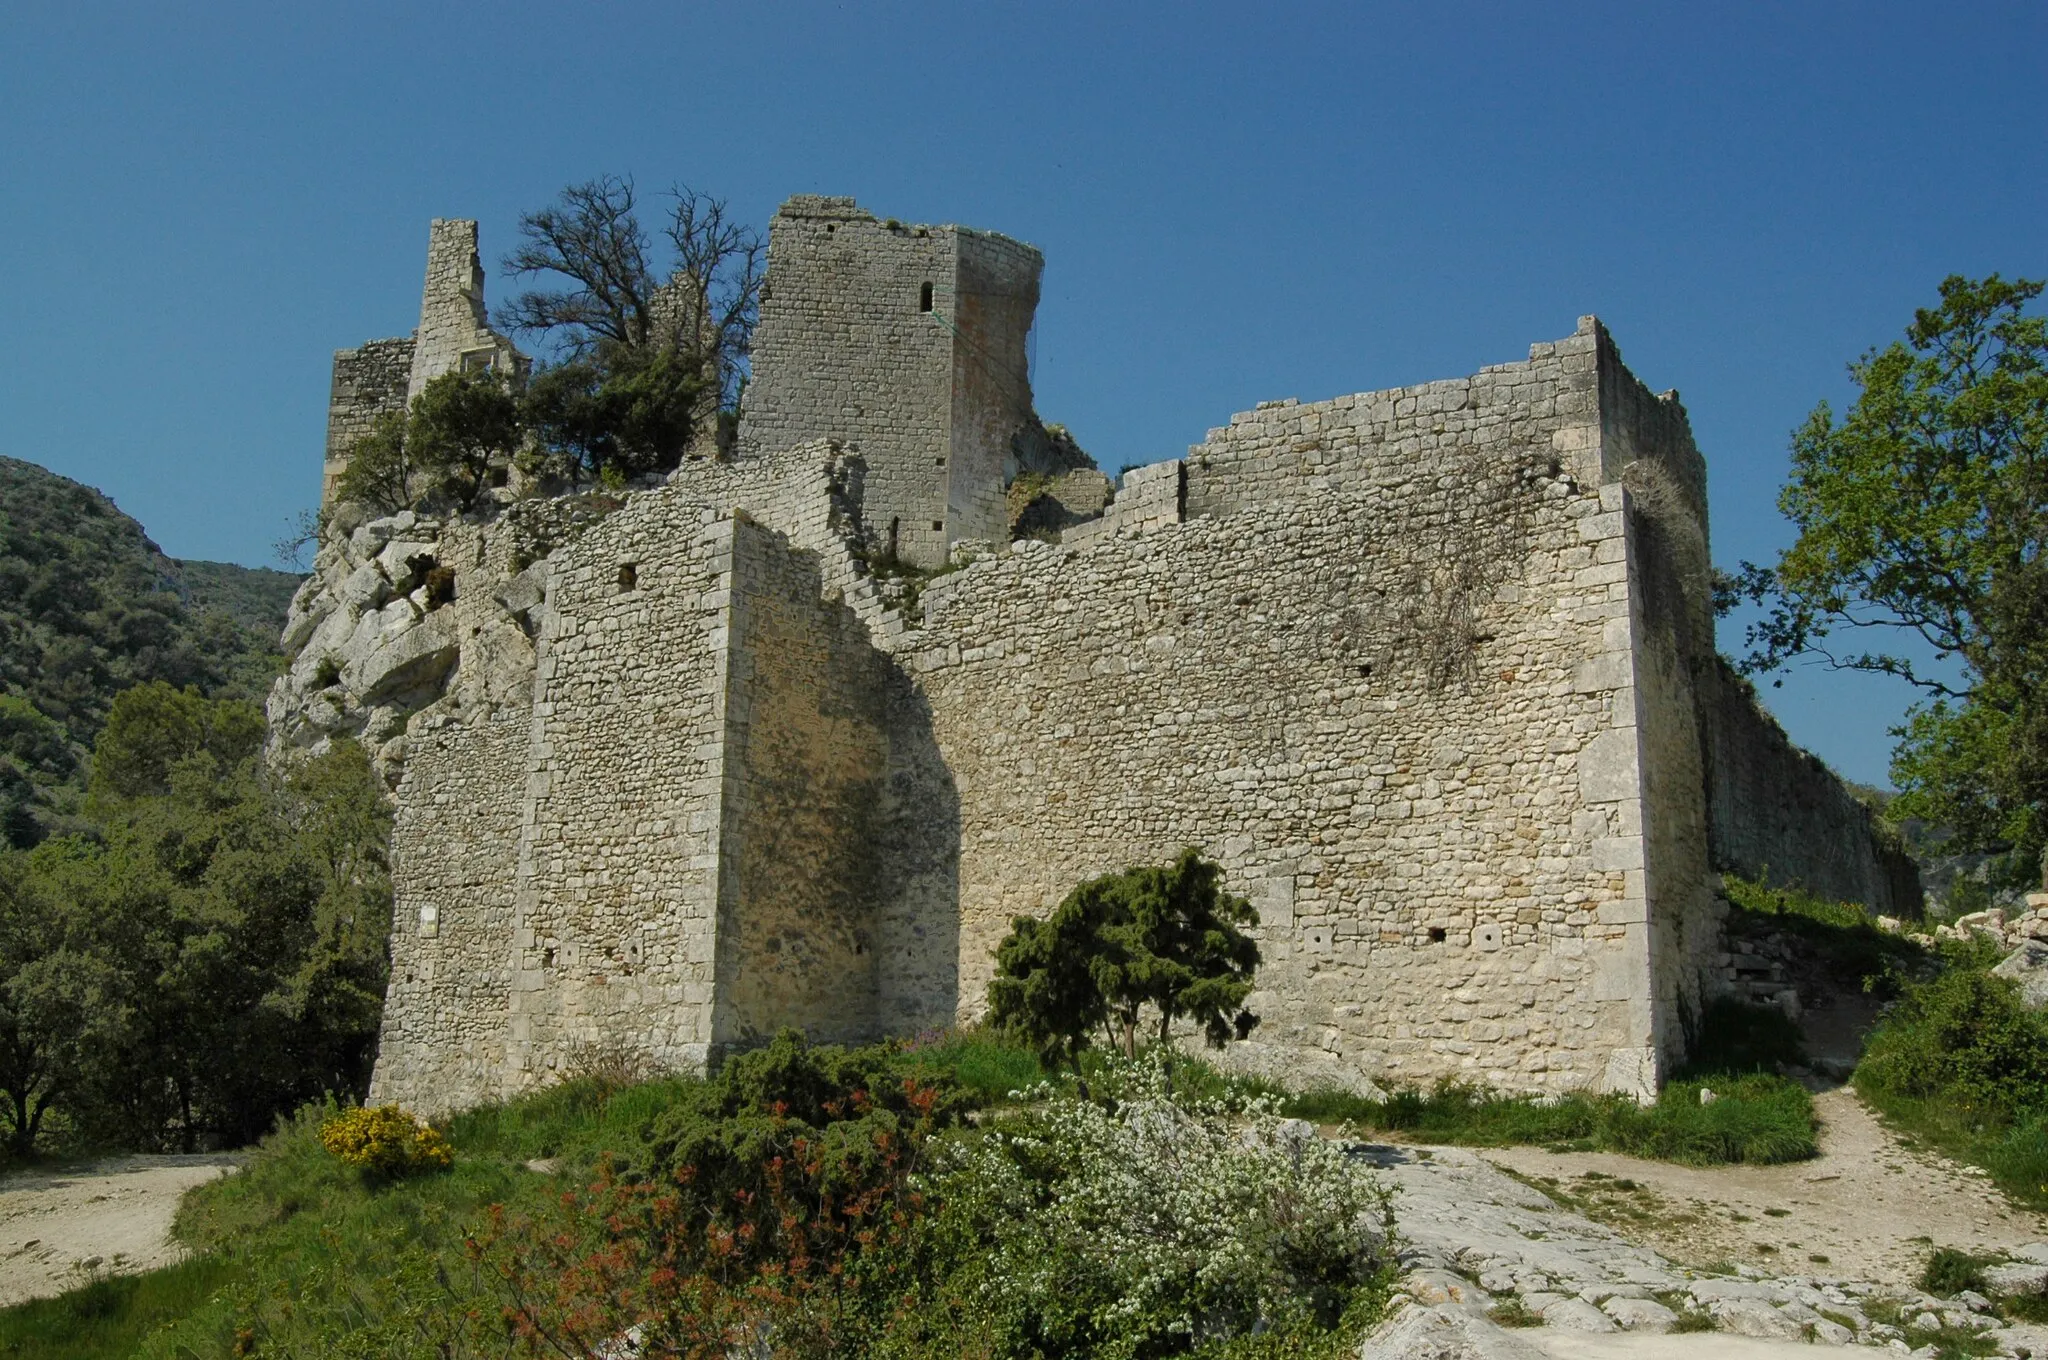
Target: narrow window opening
629, 577
1436, 934
924, 298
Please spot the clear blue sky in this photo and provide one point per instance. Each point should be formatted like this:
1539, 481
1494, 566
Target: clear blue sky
1236, 203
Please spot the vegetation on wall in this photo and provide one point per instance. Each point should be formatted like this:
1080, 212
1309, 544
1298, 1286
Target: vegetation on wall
1923, 528
89, 607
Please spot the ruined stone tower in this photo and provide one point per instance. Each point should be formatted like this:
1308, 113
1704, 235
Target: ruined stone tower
454, 333
908, 344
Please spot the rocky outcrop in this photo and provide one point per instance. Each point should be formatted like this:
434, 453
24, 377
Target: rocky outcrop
407, 614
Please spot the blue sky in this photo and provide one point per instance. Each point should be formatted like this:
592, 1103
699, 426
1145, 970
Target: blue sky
1236, 203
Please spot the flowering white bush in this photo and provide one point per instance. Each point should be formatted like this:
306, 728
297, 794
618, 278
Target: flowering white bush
1156, 1215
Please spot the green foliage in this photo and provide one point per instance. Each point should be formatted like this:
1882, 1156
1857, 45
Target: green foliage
1949, 1272
379, 474
1164, 938
616, 408
1754, 1119
1840, 937
212, 954
90, 607
1924, 512
112, 1318
461, 433
1962, 1063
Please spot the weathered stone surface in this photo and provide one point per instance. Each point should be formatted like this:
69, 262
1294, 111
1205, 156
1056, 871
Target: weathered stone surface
2017, 1277
1429, 671
1639, 1315
2028, 966
1444, 1334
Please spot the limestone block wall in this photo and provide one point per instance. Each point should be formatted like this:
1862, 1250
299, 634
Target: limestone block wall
1383, 672
1782, 815
617, 861
805, 763
907, 344
368, 381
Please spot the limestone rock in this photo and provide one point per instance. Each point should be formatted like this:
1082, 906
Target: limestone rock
1639, 1315
2028, 966
1417, 1333
2018, 1277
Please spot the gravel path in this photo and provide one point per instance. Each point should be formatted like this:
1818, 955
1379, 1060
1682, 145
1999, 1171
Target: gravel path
59, 1228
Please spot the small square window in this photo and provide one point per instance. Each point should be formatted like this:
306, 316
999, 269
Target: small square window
938, 462
938, 525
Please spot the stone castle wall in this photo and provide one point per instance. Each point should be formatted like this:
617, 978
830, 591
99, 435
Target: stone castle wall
1430, 671
368, 381
1365, 673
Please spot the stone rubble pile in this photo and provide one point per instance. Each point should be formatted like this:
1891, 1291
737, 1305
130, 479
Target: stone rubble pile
1475, 1239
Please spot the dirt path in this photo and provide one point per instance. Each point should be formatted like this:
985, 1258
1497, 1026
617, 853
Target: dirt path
1867, 1208
59, 1228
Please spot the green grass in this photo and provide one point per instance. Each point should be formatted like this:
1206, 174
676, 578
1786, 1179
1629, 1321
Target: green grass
112, 1317
297, 1236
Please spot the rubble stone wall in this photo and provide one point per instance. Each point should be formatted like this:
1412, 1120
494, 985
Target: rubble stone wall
368, 381
1782, 815
1383, 672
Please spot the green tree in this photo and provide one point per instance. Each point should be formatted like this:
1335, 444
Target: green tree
380, 472
214, 953
648, 346
1923, 514
1164, 937
462, 432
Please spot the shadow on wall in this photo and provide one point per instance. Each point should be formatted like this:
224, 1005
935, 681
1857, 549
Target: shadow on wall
917, 884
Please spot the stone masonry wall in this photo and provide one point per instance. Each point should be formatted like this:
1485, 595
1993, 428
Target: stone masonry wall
1382, 672
905, 343
806, 756
454, 332
1780, 814
368, 381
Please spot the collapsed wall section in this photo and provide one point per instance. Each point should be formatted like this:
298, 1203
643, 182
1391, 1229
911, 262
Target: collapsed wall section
1383, 673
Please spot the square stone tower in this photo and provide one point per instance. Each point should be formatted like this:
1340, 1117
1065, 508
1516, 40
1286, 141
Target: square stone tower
908, 343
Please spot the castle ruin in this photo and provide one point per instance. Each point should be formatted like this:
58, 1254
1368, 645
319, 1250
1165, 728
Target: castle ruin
1431, 673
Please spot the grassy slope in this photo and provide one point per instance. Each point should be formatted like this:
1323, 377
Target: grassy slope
298, 1229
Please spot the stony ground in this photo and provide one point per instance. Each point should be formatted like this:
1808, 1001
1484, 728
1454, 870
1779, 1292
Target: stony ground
59, 1228
1601, 1257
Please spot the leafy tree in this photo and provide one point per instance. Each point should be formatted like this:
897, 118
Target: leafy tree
1924, 513
214, 953
641, 359
1165, 937
380, 473
462, 431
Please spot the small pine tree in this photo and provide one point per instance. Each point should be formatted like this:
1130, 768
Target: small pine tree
1168, 937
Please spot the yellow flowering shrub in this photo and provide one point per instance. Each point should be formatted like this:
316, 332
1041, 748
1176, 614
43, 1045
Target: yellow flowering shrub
386, 1140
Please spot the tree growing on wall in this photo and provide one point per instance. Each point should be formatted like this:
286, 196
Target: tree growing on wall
1167, 938
1923, 514
645, 345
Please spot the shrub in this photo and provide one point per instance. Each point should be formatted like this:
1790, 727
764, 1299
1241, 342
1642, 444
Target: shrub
385, 1141
1965, 1039
1949, 1272
1139, 1228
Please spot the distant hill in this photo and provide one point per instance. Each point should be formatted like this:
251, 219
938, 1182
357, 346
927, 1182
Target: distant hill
89, 606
